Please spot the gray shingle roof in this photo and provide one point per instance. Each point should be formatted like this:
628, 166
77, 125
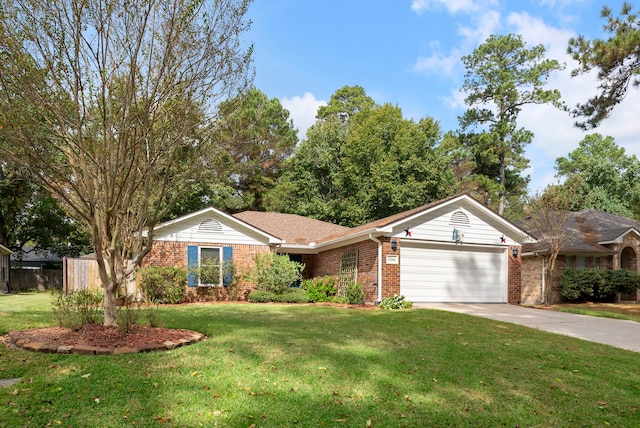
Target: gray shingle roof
588, 231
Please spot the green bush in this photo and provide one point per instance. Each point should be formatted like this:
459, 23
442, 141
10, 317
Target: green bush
623, 280
275, 272
128, 317
355, 294
341, 300
292, 295
597, 285
260, 296
162, 284
320, 289
395, 302
579, 285
77, 308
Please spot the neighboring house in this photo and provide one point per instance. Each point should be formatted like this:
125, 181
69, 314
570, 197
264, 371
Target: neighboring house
592, 240
5, 253
32, 259
453, 250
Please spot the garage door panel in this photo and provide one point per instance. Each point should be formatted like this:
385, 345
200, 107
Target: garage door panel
441, 274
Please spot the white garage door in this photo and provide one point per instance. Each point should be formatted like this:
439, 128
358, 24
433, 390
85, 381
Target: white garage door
432, 273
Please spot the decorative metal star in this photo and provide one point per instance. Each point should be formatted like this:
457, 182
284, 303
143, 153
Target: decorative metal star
407, 232
503, 240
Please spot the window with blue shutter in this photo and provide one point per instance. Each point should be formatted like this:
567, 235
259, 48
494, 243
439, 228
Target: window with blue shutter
227, 257
192, 266
207, 261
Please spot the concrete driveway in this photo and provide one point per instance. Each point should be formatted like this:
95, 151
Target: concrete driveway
619, 333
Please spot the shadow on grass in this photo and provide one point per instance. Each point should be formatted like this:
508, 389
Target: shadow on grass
279, 365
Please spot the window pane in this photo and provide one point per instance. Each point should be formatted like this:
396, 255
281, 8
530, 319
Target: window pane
582, 262
210, 266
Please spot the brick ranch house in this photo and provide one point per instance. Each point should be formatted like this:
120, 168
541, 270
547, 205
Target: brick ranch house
453, 250
593, 240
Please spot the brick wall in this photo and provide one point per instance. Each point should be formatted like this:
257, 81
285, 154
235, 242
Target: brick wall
328, 263
168, 253
390, 272
531, 280
514, 277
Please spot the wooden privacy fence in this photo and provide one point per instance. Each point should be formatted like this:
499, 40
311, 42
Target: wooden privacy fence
35, 279
79, 274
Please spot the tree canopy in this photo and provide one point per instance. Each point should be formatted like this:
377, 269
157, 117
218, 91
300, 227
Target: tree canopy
503, 76
361, 162
254, 137
600, 175
107, 103
617, 60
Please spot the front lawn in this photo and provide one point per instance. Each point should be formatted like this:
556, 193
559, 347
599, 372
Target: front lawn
312, 366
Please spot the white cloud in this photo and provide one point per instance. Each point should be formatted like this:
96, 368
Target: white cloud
486, 24
534, 31
437, 62
452, 6
302, 111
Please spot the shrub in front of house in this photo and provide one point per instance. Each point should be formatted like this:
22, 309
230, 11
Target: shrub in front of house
275, 273
597, 285
581, 285
292, 295
354, 294
623, 280
395, 302
162, 284
320, 289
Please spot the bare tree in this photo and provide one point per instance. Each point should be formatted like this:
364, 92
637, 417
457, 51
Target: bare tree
547, 221
107, 102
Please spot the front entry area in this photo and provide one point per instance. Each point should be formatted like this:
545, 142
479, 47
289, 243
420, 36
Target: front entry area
453, 274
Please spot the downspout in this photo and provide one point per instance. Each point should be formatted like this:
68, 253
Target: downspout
379, 242
544, 284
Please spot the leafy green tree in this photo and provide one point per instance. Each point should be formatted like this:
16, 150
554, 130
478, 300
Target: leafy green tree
346, 102
617, 60
310, 185
477, 172
32, 221
602, 176
390, 165
503, 76
107, 102
363, 162
256, 136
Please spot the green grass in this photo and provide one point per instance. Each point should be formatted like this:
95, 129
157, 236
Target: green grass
317, 366
602, 314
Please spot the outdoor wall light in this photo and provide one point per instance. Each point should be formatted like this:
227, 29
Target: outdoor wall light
515, 252
394, 245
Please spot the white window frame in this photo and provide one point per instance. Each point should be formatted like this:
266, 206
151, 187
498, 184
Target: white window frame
200, 283
4, 272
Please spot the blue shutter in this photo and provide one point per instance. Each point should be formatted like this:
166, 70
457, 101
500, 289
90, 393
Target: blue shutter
192, 265
227, 257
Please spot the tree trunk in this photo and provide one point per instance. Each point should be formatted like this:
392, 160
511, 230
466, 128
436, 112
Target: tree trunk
501, 195
550, 268
110, 307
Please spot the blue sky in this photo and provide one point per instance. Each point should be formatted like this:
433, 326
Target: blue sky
407, 53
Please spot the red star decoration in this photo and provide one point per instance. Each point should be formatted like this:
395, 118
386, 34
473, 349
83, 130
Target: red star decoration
503, 239
407, 233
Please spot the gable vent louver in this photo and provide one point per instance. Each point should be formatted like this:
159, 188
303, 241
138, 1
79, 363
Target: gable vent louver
211, 226
459, 218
